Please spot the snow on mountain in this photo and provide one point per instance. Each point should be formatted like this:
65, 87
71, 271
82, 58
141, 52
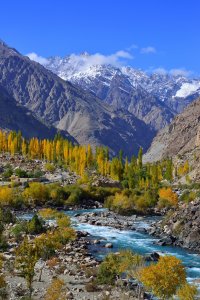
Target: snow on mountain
187, 89
154, 98
83, 69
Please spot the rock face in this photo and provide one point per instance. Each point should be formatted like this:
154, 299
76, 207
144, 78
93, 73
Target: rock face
16, 117
181, 136
154, 98
70, 108
182, 228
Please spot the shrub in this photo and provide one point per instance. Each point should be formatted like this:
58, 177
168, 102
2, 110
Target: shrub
188, 196
7, 173
21, 173
165, 277
36, 193
187, 292
55, 290
6, 196
75, 195
167, 197
19, 228
57, 194
128, 202
35, 225
50, 167
91, 286
117, 264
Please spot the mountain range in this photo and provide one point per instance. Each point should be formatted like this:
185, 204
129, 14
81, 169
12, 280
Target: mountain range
182, 136
68, 107
153, 98
101, 104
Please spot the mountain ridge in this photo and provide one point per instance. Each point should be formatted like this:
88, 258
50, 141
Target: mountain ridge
129, 88
178, 138
70, 108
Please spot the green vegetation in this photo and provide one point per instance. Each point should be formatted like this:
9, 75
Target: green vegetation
165, 279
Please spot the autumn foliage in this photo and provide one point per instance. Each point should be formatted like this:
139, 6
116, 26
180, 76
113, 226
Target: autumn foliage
168, 197
164, 278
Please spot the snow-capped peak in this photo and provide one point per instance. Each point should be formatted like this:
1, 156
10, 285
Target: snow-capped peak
187, 89
95, 73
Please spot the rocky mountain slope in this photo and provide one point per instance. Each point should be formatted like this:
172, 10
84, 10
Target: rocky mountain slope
180, 137
181, 228
154, 98
13, 116
70, 108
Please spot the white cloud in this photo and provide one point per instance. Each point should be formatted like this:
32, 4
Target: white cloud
173, 72
160, 71
178, 72
83, 61
37, 58
132, 47
123, 54
148, 50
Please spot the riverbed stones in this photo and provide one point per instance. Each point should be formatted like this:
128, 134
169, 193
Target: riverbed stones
109, 245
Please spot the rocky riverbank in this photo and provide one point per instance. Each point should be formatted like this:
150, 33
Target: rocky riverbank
180, 227
75, 265
109, 218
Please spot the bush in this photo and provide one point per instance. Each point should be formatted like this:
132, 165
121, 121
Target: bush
131, 201
37, 193
75, 195
107, 271
7, 196
57, 194
19, 228
3, 242
165, 277
6, 216
50, 167
117, 264
187, 292
35, 225
167, 197
188, 196
21, 173
91, 286
7, 173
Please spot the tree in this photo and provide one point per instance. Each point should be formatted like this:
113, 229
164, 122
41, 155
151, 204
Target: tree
164, 278
26, 257
3, 283
114, 265
187, 292
169, 170
168, 195
36, 193
55, 290
35, 225
6, 196
140, 153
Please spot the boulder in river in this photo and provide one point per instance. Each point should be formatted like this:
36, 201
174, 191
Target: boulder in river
109, 245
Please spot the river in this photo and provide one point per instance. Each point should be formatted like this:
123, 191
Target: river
141, 243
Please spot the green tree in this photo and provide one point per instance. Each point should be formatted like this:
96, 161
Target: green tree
26, 258
35, 225
140, 154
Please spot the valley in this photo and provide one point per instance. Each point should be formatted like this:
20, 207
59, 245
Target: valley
99, 180
116, 208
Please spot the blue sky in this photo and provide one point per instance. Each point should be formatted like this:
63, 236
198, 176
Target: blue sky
154, 33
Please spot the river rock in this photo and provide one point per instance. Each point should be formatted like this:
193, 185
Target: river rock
153, 257
109, 245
